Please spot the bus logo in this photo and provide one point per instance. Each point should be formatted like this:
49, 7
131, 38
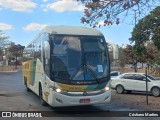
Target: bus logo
84, 93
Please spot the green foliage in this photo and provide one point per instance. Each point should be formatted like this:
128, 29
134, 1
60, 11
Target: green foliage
1, 54
2, 38
126, 55
9, 56
129, 55
146, 38
148, 29
16, 50
155, 26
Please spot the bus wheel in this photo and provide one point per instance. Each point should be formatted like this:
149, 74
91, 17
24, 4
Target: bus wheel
41, 96
25, 82
28, 90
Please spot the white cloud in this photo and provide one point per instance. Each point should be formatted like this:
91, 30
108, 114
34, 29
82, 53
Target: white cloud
64, 5
18, 5
34, 27
4, 26
101, 23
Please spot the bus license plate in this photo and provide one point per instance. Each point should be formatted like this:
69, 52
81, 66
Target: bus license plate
84, 101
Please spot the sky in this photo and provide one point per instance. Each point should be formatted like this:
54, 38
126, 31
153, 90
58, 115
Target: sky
22, 20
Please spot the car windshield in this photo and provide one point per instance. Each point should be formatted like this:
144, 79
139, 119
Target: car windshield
114, 74
79, 57
150, 77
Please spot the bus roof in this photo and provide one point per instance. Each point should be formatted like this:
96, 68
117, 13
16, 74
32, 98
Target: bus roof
68, 30
71, 30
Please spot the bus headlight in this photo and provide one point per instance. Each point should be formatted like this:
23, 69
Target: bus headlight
106, 88
58, 90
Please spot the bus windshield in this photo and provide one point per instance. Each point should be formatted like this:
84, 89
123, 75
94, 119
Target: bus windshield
78, 58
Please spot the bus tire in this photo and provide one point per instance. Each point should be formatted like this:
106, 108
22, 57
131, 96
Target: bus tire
41, 96
25, 83
28, 90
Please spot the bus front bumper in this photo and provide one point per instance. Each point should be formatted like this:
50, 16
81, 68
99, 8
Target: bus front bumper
60, 100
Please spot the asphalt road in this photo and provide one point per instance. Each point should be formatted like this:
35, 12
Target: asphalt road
14, 97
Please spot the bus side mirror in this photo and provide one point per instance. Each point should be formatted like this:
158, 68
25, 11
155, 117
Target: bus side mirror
47, 49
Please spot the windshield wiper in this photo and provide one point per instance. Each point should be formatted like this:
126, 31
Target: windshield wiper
86, 67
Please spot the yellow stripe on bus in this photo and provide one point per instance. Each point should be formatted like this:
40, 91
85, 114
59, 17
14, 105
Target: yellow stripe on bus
26, 66
75, 88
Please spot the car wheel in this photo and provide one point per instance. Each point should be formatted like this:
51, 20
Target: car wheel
156, 91
41, 97
119, 89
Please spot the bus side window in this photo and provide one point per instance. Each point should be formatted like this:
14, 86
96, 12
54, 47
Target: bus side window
32, 50
46, 56
37, 48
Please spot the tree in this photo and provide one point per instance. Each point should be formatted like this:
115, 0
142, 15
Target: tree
147, 30
3, 37
129, 56
108, 11
1, 54
154, 26
16, 51
153, 57
122, 58
111, 55
146, 37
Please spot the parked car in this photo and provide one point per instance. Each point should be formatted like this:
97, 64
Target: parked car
135, 82
115, 74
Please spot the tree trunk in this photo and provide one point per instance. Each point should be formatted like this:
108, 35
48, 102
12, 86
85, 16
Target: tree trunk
142, 65
16, 63
135, 67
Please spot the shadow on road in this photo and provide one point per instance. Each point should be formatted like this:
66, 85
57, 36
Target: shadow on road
137, 93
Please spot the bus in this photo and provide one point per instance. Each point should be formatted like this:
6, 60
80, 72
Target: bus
68, 66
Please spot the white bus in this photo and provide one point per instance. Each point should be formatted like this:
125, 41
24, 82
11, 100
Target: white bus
68, 66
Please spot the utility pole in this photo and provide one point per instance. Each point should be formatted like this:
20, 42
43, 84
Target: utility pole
146, 87
135, 18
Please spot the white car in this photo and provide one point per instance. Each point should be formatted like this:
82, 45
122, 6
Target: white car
115, 74
135, 82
